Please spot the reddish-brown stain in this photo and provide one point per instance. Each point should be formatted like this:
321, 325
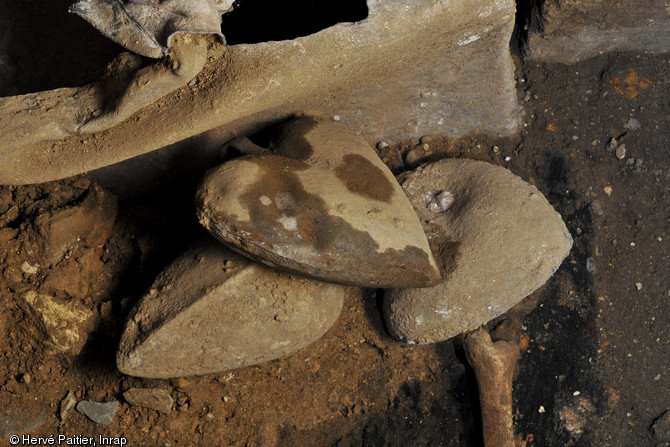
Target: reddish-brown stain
362, 177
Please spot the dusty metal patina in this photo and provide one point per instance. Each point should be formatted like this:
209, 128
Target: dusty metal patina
221, 311
498, 242
335, 212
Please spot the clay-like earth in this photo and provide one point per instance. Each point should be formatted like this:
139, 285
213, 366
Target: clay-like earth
595, 371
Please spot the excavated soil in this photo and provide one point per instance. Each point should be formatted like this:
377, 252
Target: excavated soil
595, 370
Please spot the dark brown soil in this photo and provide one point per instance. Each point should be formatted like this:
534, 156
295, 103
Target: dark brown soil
595, 371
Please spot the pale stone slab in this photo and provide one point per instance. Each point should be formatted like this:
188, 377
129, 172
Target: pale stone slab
568, 31
99, 412
496, 243
19, 423
212, 310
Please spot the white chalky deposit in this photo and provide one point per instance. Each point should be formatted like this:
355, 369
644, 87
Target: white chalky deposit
438, 201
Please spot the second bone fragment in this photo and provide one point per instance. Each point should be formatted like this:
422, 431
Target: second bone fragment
494, 363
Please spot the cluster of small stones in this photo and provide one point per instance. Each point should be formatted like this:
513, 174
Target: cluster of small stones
457, 245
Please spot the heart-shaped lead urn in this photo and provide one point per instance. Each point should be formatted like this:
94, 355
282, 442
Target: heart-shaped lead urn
497, 242
213, 310
322, 205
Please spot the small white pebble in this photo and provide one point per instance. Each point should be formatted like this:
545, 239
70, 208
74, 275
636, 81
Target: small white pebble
621, 152
658, 377
438, 201
508, 158
576, 393
590, 266
608, 190
612, 144
289, 223
495, 149
632, 244
336, 117
632, 124
28, 268
638, 285
541, 409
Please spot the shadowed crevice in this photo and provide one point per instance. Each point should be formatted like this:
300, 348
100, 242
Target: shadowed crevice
254, 21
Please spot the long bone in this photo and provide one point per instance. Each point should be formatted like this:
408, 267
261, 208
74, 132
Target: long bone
375, 55
494, 363
96, 107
